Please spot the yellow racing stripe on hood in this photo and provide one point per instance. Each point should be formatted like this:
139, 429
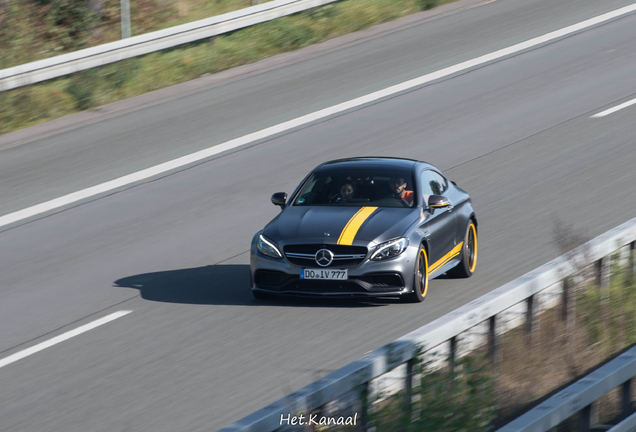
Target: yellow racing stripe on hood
351, 229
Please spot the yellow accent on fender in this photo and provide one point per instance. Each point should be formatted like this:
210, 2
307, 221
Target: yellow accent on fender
446, 258
351, 229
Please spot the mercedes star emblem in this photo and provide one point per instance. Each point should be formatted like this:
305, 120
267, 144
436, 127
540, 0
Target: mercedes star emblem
324, 257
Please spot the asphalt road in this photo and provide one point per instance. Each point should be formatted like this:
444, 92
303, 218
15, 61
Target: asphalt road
197, 352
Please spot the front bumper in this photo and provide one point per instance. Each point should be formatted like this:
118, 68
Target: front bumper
388, 278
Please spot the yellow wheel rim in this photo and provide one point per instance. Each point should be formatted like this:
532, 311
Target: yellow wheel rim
471, 248
422, 272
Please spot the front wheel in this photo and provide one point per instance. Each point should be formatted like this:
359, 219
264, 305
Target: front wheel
420, 284
469, 254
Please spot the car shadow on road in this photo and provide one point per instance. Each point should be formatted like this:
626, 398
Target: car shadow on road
222, 285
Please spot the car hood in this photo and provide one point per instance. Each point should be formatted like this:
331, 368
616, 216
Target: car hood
325, 224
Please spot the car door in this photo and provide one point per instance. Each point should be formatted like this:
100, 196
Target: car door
440, 225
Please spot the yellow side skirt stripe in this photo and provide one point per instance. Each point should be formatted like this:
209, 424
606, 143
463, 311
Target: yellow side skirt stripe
446, 258
351, 229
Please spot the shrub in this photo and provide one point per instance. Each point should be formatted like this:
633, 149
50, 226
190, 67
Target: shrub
428, 4
609, 313
16, 106
283, 34
120, 73
461, 401
82, 88
70, 21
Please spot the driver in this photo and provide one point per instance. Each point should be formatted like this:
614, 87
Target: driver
398, 186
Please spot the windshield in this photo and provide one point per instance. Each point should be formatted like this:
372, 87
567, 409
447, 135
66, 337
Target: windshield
358, 188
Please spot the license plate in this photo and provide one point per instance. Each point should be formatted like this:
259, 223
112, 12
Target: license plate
323, 274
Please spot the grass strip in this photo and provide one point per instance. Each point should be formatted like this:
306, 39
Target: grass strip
33, 30
56, 98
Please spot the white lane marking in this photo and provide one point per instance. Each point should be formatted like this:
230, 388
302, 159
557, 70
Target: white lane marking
481, 4
303, 120
61, 338
613, 110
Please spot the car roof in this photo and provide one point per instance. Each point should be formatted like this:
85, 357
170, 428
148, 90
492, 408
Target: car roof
374, 162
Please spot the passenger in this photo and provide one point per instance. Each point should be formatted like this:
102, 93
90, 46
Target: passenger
346, 193
398, 186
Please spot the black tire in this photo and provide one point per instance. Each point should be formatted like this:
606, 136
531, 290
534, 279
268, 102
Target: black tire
260, 295
467, 266
420, 283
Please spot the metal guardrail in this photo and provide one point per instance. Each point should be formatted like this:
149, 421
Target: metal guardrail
627, 425
54, 67
578, 398
487, 308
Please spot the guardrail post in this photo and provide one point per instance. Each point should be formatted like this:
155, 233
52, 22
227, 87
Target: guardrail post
452, 357
364, 406
452, 354
494, 351
626, 399
568, 305
532, 323
602, 272
569, 316
565, 299
632, 260
585, 419
408, 387
125, 19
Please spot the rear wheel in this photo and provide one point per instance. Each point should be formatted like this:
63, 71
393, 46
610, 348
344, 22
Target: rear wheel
420, 284
469, 254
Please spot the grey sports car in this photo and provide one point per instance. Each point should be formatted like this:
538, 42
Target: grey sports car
365, 227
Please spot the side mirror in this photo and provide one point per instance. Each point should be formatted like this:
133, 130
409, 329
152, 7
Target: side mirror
279, 199
438, 201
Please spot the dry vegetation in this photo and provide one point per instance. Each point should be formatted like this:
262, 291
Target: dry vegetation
603, 324
559, 352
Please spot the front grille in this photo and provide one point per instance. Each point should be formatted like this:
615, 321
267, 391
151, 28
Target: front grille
319, 287
344, 256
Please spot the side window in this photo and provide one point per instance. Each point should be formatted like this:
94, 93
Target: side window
432, 184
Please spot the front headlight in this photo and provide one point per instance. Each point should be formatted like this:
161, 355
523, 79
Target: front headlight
268, 247
390, 249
